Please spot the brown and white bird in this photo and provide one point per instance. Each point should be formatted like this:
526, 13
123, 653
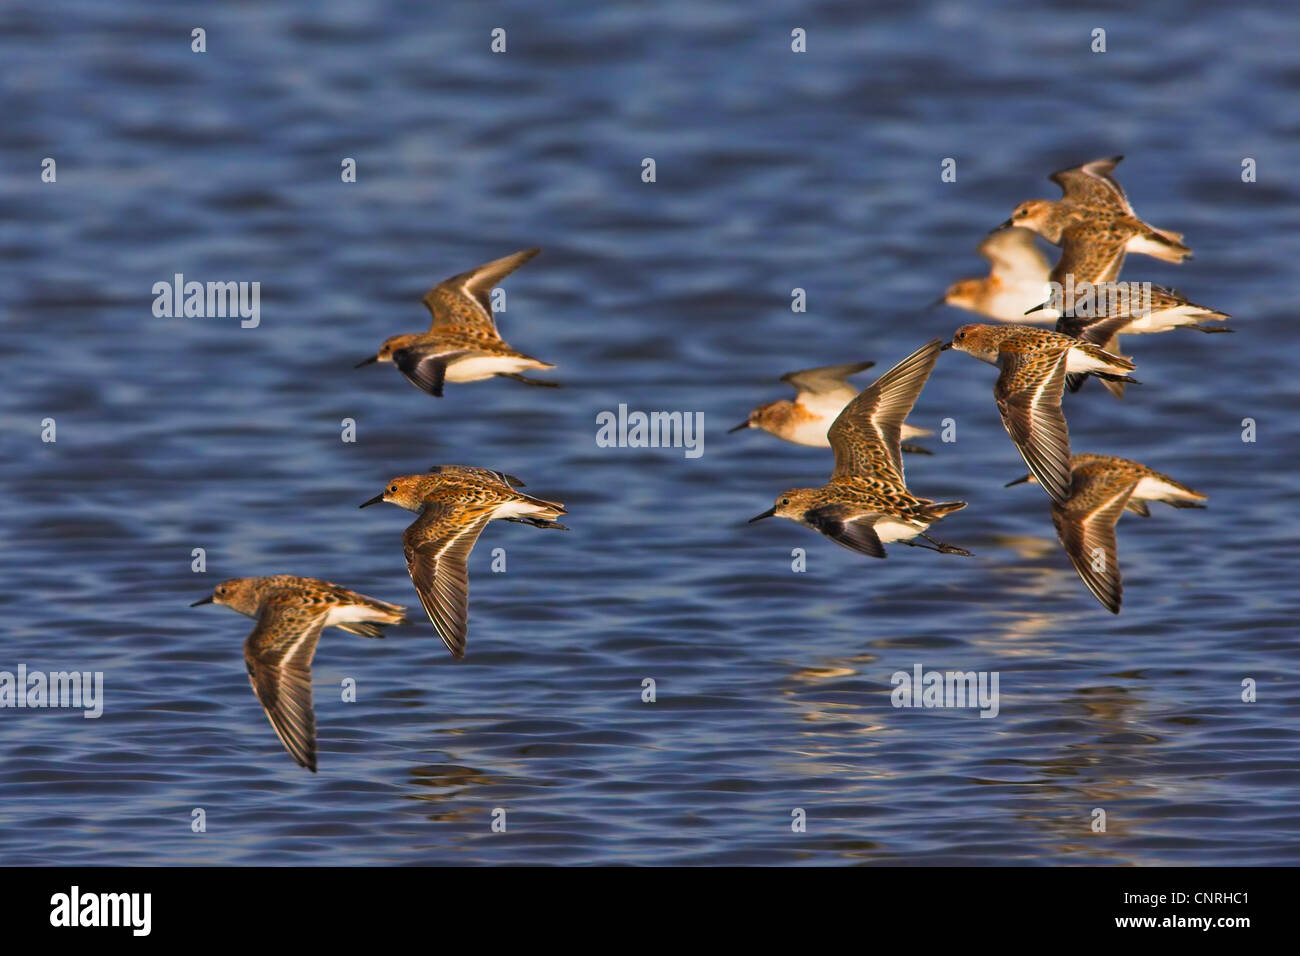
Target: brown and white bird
1094, 223
820, 395
1102, 487
455, 503
1016, 283
1144, 310
1033, 365
290, 613
866, 504
462, 344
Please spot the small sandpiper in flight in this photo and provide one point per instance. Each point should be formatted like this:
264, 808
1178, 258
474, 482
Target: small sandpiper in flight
866, 503
455, 503
290, 613
1016, 283
1102, 487
462, 344
1033, 364
1160, 311
821, 394
1095, 223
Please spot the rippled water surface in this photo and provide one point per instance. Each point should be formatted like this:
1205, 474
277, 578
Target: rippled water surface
775, 170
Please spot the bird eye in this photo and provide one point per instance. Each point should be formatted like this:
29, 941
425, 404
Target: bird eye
393, 490
785, 501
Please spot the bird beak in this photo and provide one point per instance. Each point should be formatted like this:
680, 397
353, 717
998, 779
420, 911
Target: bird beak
373, 358
373, 501
998, 228
741, 427
1019, 481
945, 347
206, 600
1039, 308
942, 300
766, 514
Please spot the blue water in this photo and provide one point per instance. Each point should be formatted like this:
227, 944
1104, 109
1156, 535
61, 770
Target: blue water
775, 170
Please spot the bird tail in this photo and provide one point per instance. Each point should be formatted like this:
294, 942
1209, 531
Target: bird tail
368, 628
542, 513
382, 615
1161, 243
934, 510
1117, 363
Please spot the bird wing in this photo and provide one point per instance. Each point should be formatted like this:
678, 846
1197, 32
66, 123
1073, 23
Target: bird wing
465, 299
437, 546
856, 532
1091, 252
1086, 526
484, 473
1014, 256
867, 433
825, 379
426, 368
278, 654
1093, 187
1028, 394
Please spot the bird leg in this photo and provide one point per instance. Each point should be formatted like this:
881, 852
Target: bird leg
944, 548
531, 381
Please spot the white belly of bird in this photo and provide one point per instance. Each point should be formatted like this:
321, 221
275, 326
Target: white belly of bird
1153, 489
1011, 304
478, 367
891, 529
346, 613
1166, 319
1141, 245
1080, 361
811, 432
515, 509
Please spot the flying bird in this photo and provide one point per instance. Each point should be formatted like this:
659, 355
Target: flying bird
290, 613
462, 344
1033, 364
866, 504
1016, 283
1102, 487
455, 504
820, 395
1094, 223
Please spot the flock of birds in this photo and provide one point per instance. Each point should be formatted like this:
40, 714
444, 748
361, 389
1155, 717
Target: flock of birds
454, 503
865, 505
